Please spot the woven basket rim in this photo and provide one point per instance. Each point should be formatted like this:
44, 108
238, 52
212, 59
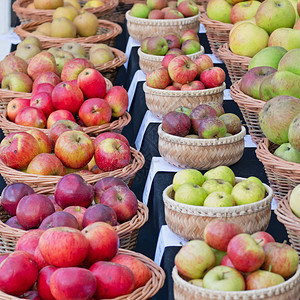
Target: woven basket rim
201, 142
275, 290
220, 211
225, 53
161, 22
195, 93
12, 94
159, 58
206, 21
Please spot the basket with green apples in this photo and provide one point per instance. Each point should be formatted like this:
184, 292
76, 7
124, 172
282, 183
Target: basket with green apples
231, 264
195, 199
161, 17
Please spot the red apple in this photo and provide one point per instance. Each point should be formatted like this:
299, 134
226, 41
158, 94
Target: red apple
188, 8
17, 149
74, 148
173, 14
95, 112
43, 283
158, 79
172, 88
105, 135
12, 63
13, 222
189, 34
226, 262
42, 88
117, 99
63, 246
43, 101
173, 40
175, 51
176, 123
103, 242
74, 67
213, 77
262, 237
166, 60
56, 206
12, 194
46, 77
112, 154
42, 139
77, 212
193, 86
57, 115
203, 62
156, 14
33, 209
14, 106
31, 116
59, 219
29, 241
67, 96
39, 259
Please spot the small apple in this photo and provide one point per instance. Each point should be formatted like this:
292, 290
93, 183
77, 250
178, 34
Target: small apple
219, 199
187, 176
117, 98
46, 77
191, 194
232, 122
221, 172
203, 62
166, 60
43, 283
262, 237
213, 77
43, 101
14, 106
60, 114
213, 185
158, 79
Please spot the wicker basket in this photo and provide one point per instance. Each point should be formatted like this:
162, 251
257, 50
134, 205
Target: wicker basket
128, 231
147, 291
28, 15
236, 65
250, 108
160, 101
189, 221
288, 290
139, 28
282, 175
150, 62
107, 32
46, 183
217, 33
201, 154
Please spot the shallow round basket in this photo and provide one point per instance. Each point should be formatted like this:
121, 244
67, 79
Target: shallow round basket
200, 154
282, 175
107, 32
189, 221
150, 62
236, 65
127, 231
46, 183
250, 108
160, 101
217, 33
28, 14
288, 290
140, 28
147, 291
7, 95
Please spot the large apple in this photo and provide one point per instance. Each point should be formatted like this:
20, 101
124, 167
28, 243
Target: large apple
31, 116
157, 45
176, 123
219, 10
203, 62
293, 201
14, 106
11, 64
117, 98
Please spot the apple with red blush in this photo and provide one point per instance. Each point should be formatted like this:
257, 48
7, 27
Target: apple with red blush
156, 14
263, 237
158, 79
173, 40
175, 51
43, 101
193, 86
13, 222
31, 116
226, 262
59, 219
46, 77
29, 241
171, 88
60, 114
176, 123
203, 62
42, 88
77, 212
117, 98
43, 283
189, 34
56, 206
212, 77
14, 106
188, 8
42, 139
39, 259
109, 134
166, 60
74, 67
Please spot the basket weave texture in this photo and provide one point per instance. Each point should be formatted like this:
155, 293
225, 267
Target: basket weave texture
217, 33
147, 291
150, 62
107, 32
201, 154
189, 221
28, 15
250, 108
236, 65
139, 28
282, 175
288, 290
160, 101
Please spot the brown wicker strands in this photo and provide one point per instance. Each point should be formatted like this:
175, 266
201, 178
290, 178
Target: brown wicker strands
107, 32
236, 65
139, 28
189, 221
46, 183
217, 33
127, 231
150, 62
7, 95
147, 291
288, 290
201, 154
28, 14
282, 175
250, 108
160, 102
290, 221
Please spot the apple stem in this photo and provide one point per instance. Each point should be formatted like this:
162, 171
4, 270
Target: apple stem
270, 268
259, 241
284, 243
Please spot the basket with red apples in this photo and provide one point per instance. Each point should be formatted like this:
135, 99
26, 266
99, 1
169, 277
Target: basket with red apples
195, 199
183, 82
154, 49
69, 263
232, 264
76, 204
154, 18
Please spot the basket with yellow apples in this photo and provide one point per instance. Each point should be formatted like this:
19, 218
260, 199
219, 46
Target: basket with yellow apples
26, 11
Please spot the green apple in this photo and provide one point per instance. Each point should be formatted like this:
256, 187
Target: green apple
221, 172
219, 10
184, 109
261, 279
294, 201
31, 40
140, 10
219, 255
287, 152
187, 175
27, 51
213, 185
219, 199
223, 278
197, 282
75, 48
256, 180
246, 192
194, 258
287, 38
290, 62
189, 193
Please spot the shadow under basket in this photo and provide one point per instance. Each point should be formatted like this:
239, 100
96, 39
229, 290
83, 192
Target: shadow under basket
250, 108
288, 290
200, 154
189, 221
282, 175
